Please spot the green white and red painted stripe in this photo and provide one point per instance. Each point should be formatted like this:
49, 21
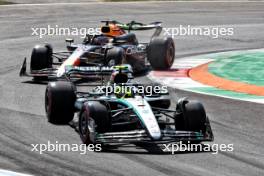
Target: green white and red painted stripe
233, 74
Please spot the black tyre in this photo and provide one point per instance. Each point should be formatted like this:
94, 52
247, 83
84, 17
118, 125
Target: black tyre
93, 118
50, 51
192, 117
115, 56
41, 57
59, 102
161, 53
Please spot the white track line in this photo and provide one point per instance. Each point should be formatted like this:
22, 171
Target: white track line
11, 173
127, 2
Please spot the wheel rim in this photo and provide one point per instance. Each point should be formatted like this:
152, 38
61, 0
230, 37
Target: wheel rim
170, 55
48, 102
87, 127
84, 126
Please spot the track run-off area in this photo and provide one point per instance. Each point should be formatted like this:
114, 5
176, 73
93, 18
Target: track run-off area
234, 74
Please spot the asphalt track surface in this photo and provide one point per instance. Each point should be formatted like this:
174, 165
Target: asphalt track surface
22, 116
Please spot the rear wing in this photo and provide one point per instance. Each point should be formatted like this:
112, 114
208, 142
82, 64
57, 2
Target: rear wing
139, 26
136, 26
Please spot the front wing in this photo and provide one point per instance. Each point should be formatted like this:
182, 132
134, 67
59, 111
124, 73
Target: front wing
71, 72
168, 136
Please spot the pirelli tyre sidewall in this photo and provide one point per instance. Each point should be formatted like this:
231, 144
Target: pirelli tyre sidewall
93, 118
59, 102
41, 57
192, 117
161, 53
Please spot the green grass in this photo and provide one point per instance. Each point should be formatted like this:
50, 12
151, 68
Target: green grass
245, 67
5, 2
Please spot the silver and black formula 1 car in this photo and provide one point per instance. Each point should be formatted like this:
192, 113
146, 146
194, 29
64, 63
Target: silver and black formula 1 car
113, 46
126, 117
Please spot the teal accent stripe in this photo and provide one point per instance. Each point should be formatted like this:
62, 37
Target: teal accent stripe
124, 101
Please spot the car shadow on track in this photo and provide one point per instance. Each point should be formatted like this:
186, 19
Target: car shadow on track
145, 148
35, 82
140, 147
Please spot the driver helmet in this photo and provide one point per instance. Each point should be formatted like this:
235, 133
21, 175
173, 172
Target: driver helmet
118, 78
112, 30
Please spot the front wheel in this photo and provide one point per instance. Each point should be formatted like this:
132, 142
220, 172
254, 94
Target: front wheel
41, 58
93, 119
59, 102
191, 116
161, 53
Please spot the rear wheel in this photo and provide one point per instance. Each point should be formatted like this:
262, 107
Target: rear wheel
41, 58
192, 117
161, 53
59, 102
93, 119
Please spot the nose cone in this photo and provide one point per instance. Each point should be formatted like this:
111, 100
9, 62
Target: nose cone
61, 71
145, 114
156, 134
